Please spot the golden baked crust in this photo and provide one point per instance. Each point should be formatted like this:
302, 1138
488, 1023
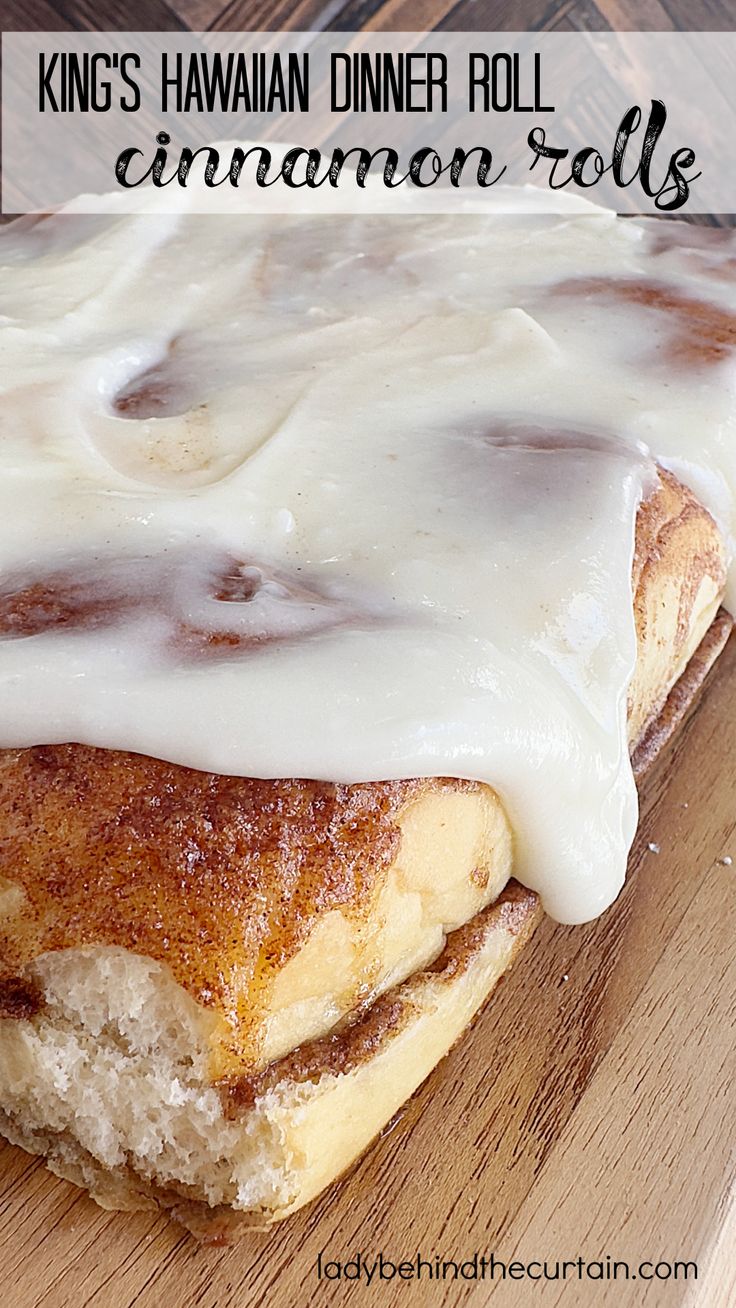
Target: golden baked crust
187, 867
280, 905
515, 912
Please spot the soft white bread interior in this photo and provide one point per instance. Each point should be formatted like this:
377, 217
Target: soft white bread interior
225, 1041
110, 1080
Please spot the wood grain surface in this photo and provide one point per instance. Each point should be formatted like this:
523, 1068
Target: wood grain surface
385, 15
589, 1113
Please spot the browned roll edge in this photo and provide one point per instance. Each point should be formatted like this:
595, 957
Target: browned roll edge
682, 696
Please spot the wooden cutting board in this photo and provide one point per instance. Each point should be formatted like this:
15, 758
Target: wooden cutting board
588, 1114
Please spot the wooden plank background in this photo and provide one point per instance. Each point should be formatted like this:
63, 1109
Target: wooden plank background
590, 1110
350, 15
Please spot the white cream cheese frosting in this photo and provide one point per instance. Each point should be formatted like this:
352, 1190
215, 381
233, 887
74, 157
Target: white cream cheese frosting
354, 498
